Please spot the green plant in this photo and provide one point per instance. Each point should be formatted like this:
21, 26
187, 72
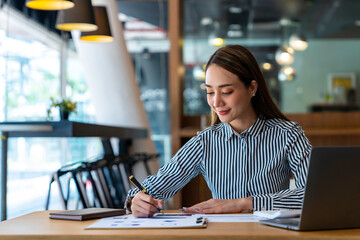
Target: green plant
65, 105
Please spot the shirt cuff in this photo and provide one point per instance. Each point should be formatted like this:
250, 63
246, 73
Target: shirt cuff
262, 202
128, 203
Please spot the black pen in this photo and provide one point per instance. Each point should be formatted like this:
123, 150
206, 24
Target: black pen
138, 185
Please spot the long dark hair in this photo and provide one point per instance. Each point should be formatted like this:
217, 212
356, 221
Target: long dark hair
239, 61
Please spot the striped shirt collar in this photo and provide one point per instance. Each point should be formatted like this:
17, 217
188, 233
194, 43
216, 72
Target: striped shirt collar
254, 130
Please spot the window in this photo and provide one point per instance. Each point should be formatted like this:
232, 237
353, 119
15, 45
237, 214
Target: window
30, 77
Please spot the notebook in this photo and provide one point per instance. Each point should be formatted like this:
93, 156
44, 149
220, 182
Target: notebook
332, 192
87, 214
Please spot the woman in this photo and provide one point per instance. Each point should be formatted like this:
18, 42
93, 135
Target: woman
248, 154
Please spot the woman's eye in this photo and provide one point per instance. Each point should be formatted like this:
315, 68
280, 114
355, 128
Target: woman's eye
227, 93
210, 93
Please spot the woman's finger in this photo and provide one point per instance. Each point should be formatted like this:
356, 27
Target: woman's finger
144, 209
159, 203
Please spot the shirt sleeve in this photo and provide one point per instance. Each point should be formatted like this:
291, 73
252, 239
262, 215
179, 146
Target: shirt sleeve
174, 175
298, 154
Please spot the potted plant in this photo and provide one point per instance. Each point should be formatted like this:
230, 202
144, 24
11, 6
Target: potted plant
66, 107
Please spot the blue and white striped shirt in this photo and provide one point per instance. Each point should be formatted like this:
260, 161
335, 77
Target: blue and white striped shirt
257, 163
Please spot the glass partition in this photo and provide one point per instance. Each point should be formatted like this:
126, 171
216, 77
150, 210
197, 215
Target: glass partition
146, 34
319, 75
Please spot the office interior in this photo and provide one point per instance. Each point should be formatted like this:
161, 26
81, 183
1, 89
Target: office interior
151, 76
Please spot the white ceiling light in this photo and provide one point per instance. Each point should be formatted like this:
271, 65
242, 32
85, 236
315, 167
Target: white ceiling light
286, 73
266, 66
206, 21
298, 42
198, 73
235, 10
284, 55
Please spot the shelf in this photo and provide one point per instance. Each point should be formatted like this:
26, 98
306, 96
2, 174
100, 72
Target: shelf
333, 132
190, 132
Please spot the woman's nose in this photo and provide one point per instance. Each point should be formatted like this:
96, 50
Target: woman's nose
217, 100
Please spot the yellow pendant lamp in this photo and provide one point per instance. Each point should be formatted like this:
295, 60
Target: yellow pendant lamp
49, 4
80, 17
103, 33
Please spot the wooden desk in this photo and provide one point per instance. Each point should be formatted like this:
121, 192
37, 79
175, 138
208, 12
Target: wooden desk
57, 129
37, 225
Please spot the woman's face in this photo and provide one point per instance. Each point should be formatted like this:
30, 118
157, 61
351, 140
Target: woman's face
227, 95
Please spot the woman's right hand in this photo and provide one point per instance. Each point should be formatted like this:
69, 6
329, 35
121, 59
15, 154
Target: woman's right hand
143, 205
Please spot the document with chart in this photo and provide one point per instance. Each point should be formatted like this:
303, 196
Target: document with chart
160, 221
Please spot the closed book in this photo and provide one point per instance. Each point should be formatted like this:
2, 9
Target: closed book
87, 214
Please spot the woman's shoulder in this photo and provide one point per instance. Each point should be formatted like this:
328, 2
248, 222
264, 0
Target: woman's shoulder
211, 130
283, 124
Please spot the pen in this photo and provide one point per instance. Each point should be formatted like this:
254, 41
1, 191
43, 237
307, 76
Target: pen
137, 184
141, 188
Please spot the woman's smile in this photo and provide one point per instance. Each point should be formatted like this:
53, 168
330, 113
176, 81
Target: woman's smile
223, 112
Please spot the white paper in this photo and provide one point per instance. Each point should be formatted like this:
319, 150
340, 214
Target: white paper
283, 213
129, 221
230, 217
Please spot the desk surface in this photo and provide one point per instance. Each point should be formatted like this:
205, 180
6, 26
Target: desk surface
37, 225
69, 129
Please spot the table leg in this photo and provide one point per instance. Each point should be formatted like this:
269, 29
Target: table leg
3, 174
108, 149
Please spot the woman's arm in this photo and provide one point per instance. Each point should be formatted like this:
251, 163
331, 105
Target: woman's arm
170, 178
298, 155
222, 206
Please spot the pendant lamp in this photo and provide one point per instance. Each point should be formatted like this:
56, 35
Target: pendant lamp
103, 33
284, 55
49, 4
287, 73
216, 38
80, 17
298, 42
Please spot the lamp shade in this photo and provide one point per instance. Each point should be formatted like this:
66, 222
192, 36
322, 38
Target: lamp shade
80, 17
103, 33
49, 4
216, 41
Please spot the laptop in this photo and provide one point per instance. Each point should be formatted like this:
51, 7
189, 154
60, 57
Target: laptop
332, 192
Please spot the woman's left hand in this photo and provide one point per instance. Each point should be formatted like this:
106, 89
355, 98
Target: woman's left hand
222, 206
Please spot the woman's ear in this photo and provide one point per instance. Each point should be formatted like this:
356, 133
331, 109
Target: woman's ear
253, 87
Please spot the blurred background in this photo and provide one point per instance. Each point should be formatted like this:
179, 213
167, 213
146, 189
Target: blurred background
308, 50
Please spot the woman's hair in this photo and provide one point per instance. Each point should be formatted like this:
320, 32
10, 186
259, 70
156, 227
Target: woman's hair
239, 61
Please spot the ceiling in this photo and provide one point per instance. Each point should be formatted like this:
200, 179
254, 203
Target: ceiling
256, 18
237, 19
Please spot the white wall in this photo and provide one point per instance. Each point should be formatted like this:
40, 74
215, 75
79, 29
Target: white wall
313, 66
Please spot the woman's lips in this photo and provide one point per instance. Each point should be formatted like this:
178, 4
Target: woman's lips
223, 112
